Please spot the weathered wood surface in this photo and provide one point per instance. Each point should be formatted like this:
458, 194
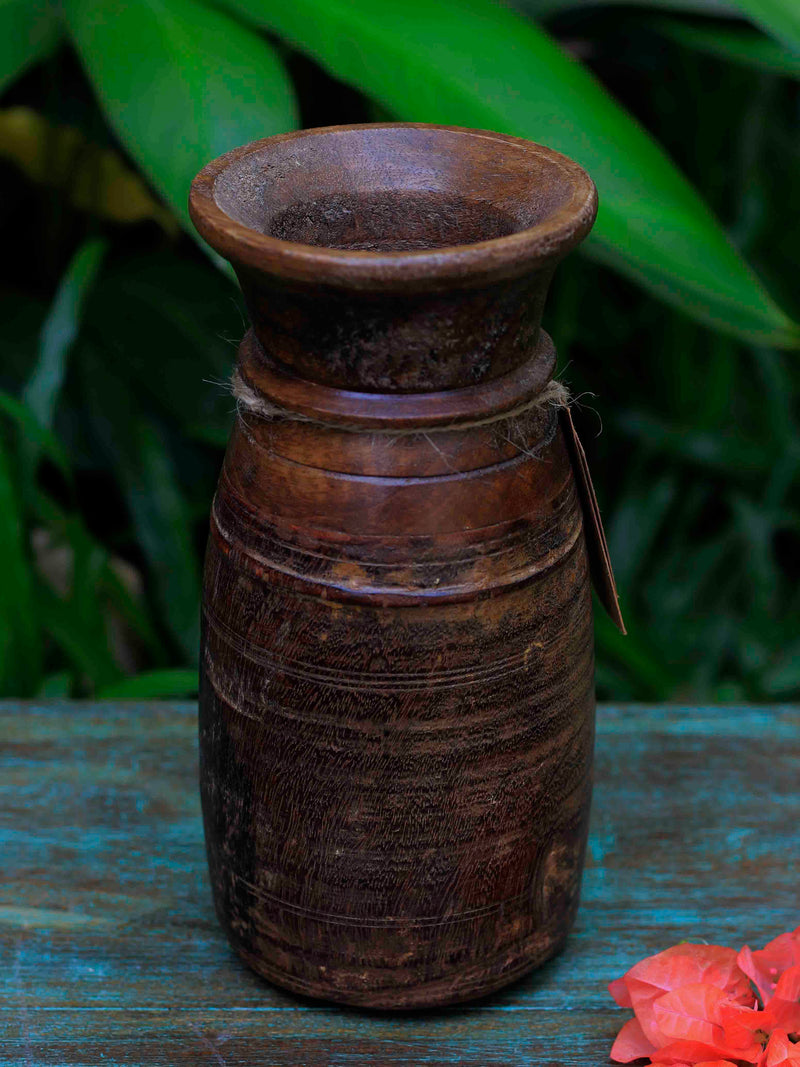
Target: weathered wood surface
396, 669
111, 954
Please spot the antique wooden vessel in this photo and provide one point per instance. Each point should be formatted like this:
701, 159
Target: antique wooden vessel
397, 708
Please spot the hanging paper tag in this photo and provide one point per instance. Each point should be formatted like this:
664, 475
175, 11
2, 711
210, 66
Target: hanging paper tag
597, 547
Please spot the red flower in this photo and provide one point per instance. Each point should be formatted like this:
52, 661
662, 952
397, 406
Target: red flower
689, 1054
744, 1025
676, 996
694, 1007
766, 966
707, 1063
780, 1052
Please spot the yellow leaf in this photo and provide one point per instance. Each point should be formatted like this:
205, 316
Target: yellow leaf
95, 179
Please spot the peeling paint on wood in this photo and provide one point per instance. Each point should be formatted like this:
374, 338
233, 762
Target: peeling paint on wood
111, 953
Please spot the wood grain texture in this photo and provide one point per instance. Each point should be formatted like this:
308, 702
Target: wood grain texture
111, 953
397, 718
398, 257
397, 691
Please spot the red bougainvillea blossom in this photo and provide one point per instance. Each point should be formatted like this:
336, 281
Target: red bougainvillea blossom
780, 1051
708, 1006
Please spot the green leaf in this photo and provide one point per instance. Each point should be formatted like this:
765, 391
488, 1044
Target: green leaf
638, 518
738, 44
545, 8
728, 453
58, 334
153, 685
29, 31
78, 639
152, 490
58, 686
176, 354
164, 528
181, 83
76, 617
60, 330
133, 613
44, 439
632, 651
20, 645
475, 63
780, 18
783, 677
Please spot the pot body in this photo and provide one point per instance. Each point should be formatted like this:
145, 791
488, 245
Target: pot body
397, 706
397, 699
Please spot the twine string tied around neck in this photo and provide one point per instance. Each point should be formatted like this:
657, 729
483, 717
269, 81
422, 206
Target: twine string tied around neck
554, 395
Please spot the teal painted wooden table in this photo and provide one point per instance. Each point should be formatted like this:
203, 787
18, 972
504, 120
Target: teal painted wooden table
111, 954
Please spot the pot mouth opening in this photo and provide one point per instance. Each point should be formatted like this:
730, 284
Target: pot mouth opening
390, 221
385, 205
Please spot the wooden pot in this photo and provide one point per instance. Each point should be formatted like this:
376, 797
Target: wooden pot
397, 706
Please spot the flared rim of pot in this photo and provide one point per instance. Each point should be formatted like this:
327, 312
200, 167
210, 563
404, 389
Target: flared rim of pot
393, 206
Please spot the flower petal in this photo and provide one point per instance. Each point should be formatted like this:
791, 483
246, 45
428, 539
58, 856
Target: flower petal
689, 964
619, 991
745, 1028
781, 1052
680, 966
766, 965
788, 985
715, 1063
691, 1052
783, 1010
631, 1044
691, 1013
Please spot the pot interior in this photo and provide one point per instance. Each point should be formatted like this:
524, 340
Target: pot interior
392, 188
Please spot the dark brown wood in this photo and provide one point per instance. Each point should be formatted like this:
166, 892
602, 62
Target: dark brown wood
461, 308
397, 705
395, 411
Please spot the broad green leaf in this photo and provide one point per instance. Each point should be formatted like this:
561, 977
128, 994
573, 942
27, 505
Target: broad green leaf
29, 30
60, 330
475, 63
20, 645
545, 8
780, 18
153, 685
739, 44
181, 83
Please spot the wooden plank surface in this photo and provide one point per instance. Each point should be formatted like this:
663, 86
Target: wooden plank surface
110, 952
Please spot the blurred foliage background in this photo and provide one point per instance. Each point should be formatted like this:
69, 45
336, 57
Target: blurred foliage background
677, 323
